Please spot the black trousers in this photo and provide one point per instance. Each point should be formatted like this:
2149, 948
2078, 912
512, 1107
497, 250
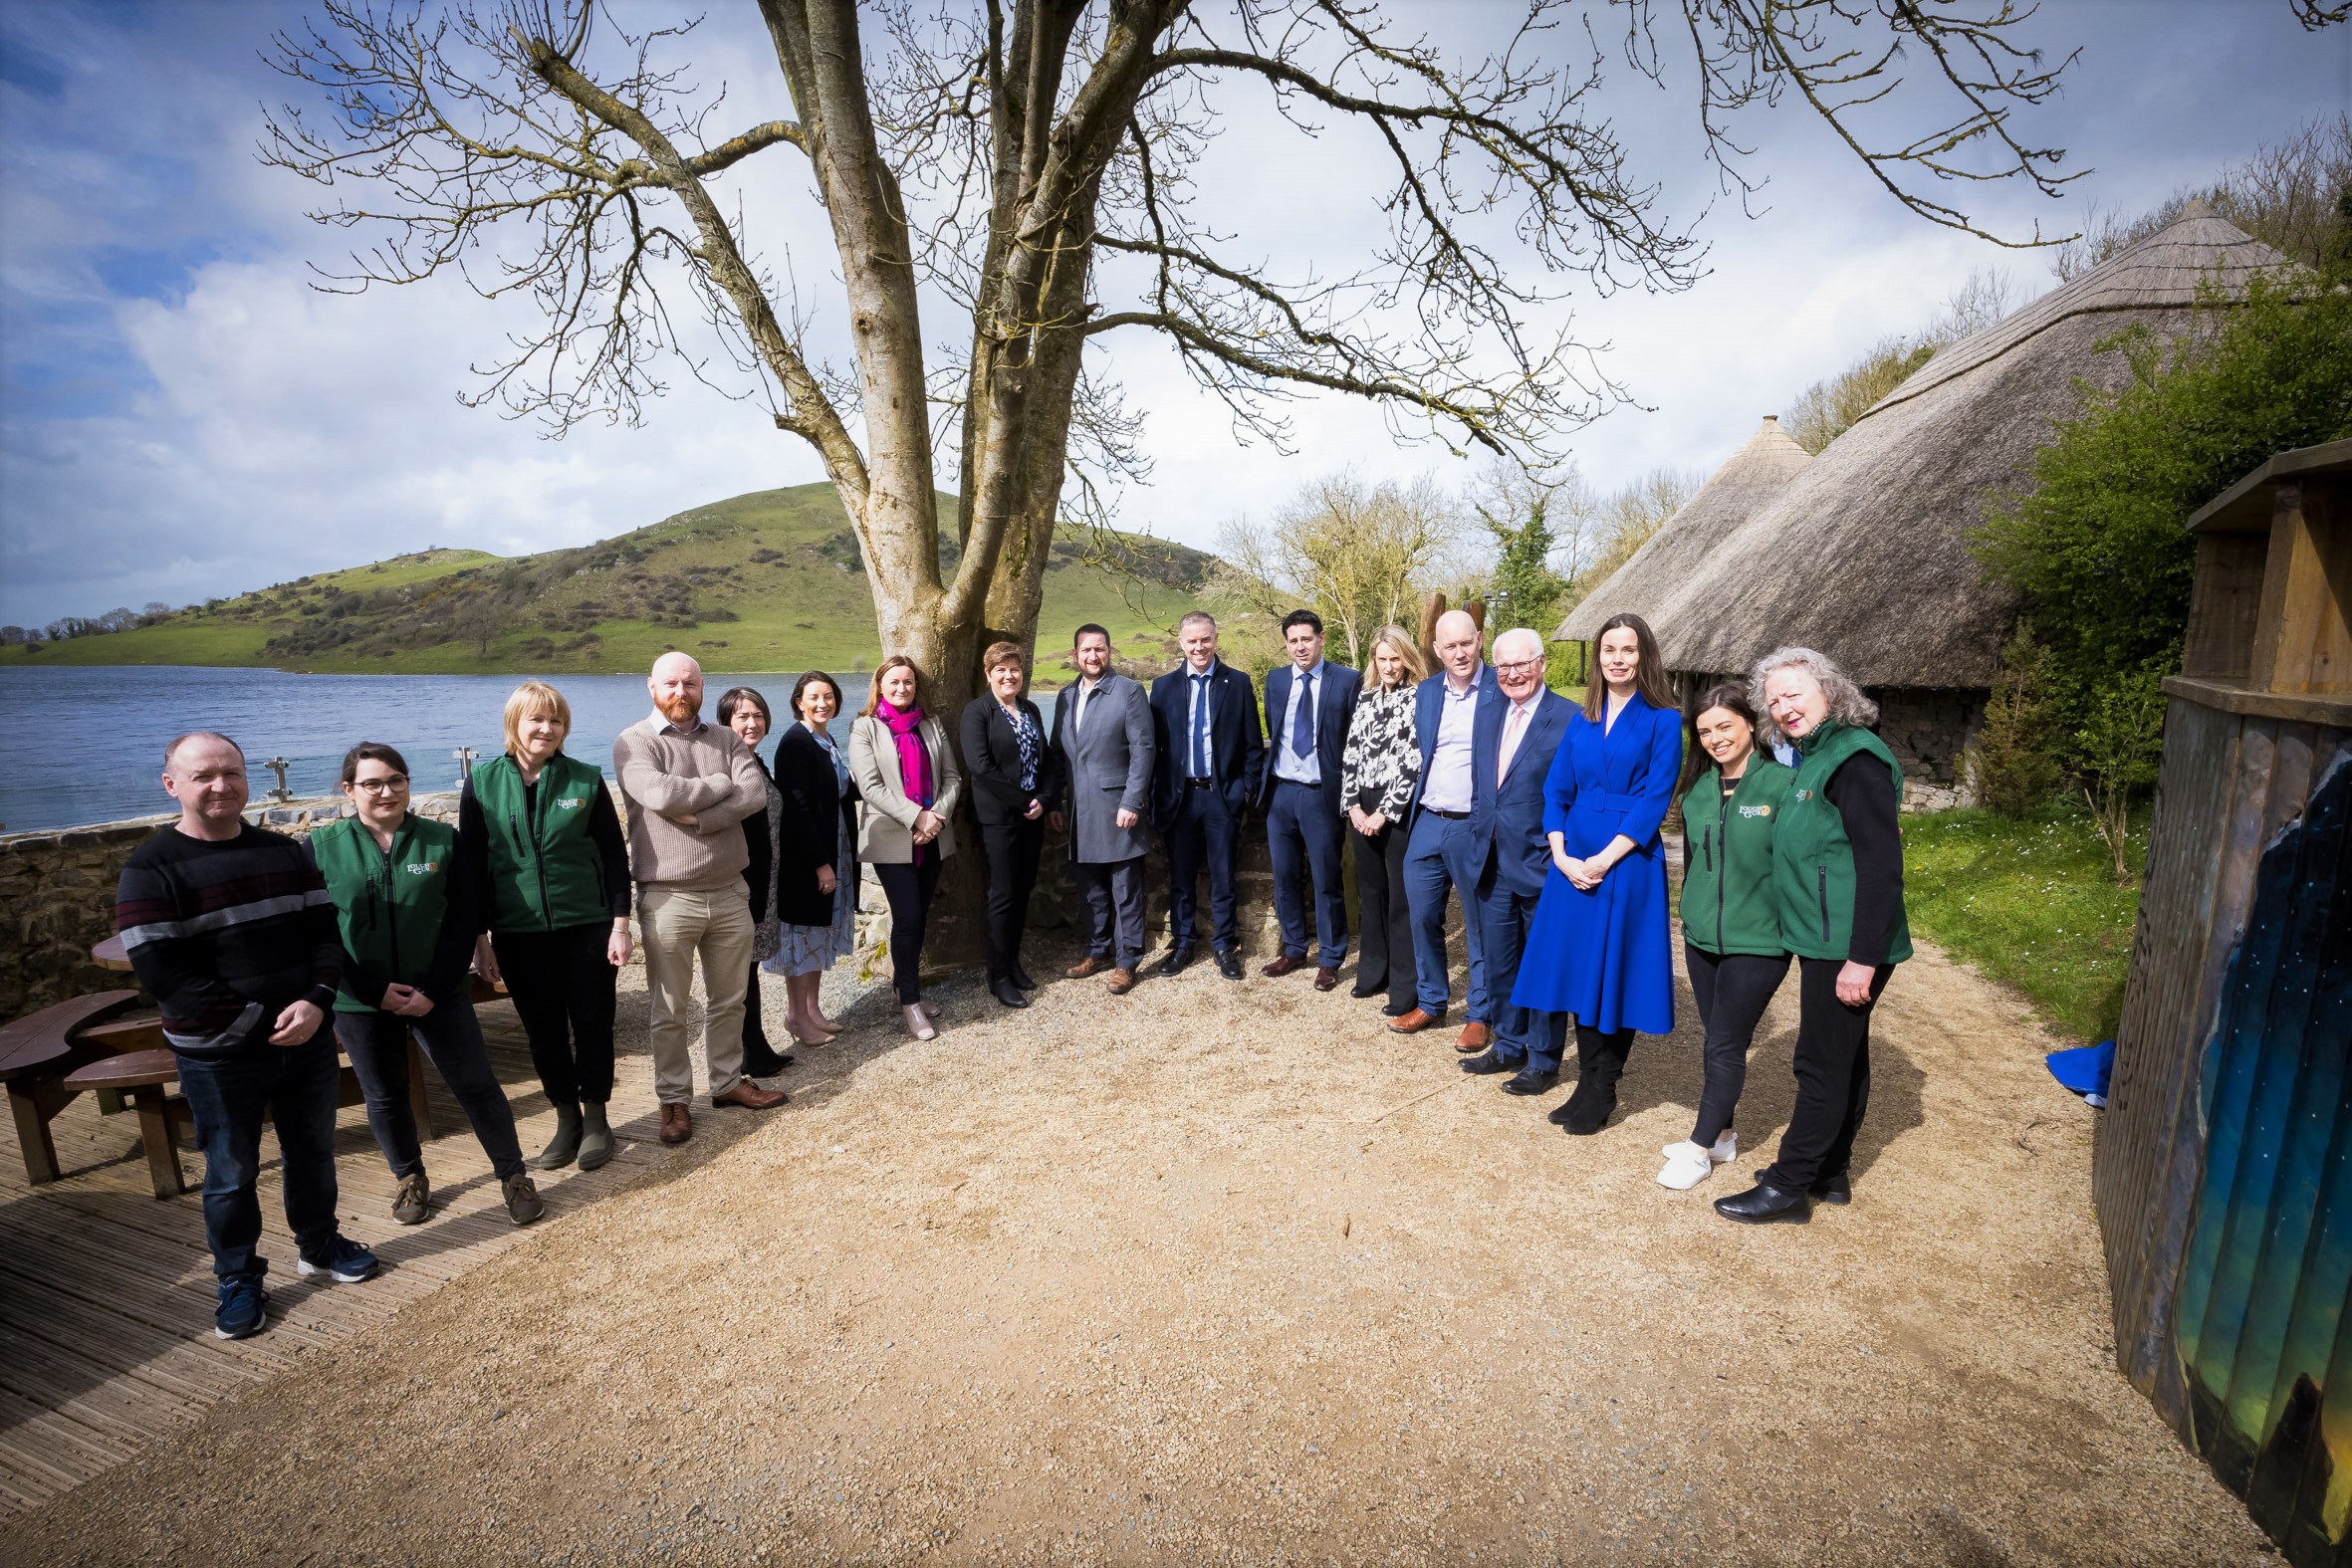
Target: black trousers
755, 1034
1011, 850
1386, 919
563, 990
1731, 989
910, 889
377, 1043
1832, 1076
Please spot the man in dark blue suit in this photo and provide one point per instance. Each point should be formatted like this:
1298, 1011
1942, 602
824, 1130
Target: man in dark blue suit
1437, 842
1510, 755
1203, 714
1308, 705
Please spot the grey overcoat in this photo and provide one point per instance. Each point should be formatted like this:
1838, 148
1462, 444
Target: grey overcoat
1110, 762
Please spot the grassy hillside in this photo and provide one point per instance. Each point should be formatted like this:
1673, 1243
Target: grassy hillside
767, 581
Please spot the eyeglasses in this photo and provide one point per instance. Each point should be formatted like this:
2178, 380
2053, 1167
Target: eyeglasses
397, 783
1519, 666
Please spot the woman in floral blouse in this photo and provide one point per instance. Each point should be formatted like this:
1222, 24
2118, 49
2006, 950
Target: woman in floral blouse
1380, 768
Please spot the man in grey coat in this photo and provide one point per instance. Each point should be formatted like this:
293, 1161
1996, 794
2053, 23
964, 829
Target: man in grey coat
1102, 731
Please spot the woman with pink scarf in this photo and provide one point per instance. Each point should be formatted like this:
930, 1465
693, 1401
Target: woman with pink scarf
907, 776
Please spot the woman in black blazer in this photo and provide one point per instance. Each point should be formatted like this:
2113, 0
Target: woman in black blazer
815, 855
1016, 779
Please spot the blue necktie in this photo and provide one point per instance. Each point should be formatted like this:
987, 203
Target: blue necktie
1303, 722
1200, 727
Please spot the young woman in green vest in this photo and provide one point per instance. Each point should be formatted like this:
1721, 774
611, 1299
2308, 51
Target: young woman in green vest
405, 900
1838, 871
1733, 798
556, 911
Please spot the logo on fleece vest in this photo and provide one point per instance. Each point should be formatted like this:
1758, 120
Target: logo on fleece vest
421, 867
1755, 811
570, 803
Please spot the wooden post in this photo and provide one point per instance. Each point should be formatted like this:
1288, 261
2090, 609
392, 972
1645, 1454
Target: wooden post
2304, 642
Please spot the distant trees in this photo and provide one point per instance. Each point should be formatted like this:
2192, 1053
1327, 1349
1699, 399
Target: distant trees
2293, 195
1360, 556
1828, 408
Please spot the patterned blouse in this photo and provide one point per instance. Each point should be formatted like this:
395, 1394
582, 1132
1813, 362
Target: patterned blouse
1382, 761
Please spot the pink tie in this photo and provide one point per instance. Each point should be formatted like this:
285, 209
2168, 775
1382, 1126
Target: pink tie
1510, 743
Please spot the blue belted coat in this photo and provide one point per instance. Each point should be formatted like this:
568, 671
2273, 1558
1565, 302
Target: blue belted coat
1606, 955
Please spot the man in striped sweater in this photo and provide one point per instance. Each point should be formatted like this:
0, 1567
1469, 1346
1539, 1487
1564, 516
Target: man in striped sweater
229, 928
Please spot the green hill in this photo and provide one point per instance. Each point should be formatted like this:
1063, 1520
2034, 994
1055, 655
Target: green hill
767, 581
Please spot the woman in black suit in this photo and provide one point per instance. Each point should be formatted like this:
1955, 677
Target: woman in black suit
815, 855
745, 710
1016, 779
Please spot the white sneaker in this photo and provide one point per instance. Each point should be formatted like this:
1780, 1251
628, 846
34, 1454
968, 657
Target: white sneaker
1726, 1150
1687, 1165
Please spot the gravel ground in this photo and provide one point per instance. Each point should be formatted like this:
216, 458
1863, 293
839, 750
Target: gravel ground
1227, 1272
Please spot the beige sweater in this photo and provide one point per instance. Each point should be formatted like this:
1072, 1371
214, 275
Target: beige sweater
705, 772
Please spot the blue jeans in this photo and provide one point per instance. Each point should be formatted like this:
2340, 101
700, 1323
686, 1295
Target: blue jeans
1204, 828
1438, 859
377, 1043
1523, 1036
1299, 822
295, 1087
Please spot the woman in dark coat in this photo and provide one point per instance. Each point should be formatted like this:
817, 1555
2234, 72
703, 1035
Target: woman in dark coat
745, 710
815, 855
1016, 779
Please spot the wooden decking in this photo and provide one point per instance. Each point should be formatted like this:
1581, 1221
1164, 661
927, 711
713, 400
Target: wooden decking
106, 1292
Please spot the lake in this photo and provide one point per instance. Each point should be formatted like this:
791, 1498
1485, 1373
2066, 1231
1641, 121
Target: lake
86, 745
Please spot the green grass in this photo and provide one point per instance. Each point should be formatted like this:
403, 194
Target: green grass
765, 581
2032, 904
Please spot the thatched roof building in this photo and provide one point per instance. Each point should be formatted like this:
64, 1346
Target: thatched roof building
1863, 553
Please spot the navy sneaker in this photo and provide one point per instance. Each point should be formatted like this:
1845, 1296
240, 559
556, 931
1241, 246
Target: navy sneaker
346, 1262
244, 1309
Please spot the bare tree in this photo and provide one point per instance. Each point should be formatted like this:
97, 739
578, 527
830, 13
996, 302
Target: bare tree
1631, 515
1033, 166
1826, 409
1359, 555
2294, 195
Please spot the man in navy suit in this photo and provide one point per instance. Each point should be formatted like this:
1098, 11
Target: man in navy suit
1437, 842
1309, 706
1204, 716
1511, 755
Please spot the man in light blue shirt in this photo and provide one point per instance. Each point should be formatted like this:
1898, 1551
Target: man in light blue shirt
1309, 706
1438, 856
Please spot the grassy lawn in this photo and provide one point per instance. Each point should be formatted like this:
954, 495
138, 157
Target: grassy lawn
2032, 904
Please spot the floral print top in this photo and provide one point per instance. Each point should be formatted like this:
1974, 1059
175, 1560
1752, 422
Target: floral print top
1382, 761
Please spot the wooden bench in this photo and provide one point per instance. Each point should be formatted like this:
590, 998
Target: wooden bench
37, 1054
141, 1075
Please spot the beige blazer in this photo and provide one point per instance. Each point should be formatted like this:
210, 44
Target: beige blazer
885, 828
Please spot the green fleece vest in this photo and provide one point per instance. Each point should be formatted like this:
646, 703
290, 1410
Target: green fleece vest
390, 904
1728, 902
1814, 860
545, 871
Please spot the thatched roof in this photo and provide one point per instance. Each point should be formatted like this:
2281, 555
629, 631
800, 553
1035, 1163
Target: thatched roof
1864, 553
1654, 579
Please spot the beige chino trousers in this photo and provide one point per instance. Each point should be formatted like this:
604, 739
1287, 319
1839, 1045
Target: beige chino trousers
681, 924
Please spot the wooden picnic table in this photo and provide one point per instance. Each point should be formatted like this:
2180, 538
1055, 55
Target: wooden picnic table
36, 1052
110, 955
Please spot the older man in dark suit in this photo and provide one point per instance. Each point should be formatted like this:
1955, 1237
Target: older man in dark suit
1510, 755
1205, 719
1102, 733
1308, 705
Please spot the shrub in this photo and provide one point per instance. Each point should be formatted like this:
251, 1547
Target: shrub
2013, 755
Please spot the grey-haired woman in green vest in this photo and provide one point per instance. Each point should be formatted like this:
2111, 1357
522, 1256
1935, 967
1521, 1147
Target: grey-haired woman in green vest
1838, 875
404, 906
554, 911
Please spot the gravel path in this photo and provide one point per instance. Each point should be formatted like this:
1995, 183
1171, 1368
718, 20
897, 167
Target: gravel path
1227, 1272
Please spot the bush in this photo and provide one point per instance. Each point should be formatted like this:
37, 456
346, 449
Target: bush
2013, 756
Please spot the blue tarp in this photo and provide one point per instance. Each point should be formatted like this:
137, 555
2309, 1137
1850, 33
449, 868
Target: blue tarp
2084, 1069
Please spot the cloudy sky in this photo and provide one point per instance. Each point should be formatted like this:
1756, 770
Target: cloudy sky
181, 414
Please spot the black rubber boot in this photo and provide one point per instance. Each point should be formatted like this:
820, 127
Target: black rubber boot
1600, 1061
595, 1139
565, 1146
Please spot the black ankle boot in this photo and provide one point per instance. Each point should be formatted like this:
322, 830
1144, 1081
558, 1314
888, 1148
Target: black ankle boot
1600, 1061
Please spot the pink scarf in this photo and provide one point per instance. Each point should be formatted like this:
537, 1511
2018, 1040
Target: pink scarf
914, 761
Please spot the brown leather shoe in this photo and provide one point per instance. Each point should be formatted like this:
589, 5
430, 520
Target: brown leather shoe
1282, 965
676, 1125
1119, 982
749, 1096
1476, 1037
1326, 978
1091, 964
1414, 1021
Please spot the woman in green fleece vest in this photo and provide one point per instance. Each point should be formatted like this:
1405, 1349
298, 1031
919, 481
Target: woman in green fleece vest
1838, 871
404, 902
1731, 924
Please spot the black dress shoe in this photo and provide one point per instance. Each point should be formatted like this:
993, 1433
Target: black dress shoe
1006, 991
1764, 1204
1364, 993
1396, 1010
1229, 965
1021, 979
1529, 1081
1486, 1065
762, 1061
1177, 960
1838, 1189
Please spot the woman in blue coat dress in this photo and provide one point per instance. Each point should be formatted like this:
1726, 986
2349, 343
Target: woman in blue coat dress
1600, 946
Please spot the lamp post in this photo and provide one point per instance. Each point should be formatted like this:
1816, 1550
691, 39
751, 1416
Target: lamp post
278, 765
